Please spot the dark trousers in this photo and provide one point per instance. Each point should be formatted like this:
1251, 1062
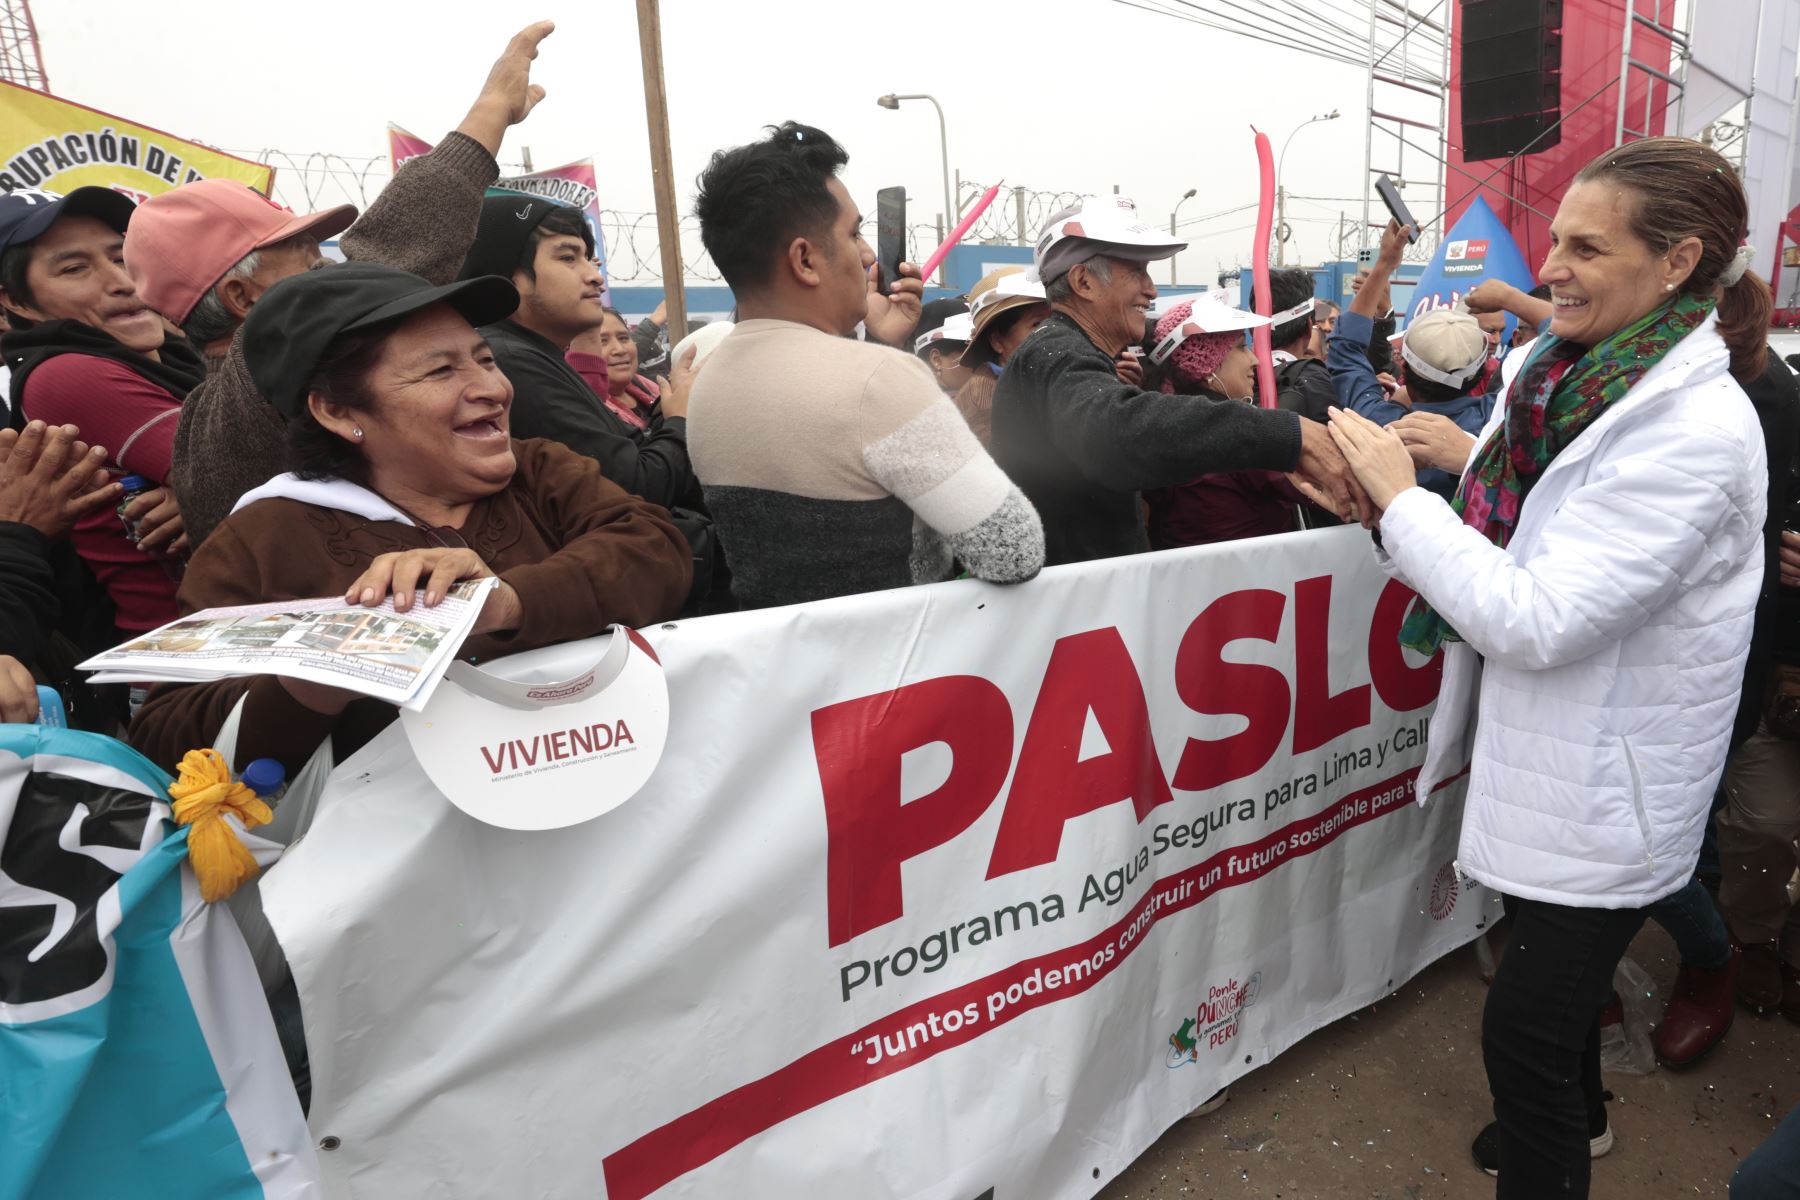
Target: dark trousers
1693, 920
1540, 1039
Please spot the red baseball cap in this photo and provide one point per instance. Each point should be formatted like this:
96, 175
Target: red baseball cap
182, 242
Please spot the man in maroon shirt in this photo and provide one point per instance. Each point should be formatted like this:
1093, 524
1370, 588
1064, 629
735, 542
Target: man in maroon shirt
84, 350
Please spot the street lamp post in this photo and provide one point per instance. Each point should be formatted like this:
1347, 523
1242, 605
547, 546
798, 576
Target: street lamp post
892, 100
1186, 196
1281, 224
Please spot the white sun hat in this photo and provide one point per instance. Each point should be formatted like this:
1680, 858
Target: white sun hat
1106, 225
1210, 312
958, 327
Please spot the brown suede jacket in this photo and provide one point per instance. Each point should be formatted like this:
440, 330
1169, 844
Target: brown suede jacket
580, 552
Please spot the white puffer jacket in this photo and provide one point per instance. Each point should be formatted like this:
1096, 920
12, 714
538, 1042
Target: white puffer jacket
1594, 694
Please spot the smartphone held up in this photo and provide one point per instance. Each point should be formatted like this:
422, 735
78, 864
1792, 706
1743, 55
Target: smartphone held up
890, 233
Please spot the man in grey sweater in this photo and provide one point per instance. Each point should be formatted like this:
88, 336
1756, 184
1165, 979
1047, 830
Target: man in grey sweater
229, 440
1082, 443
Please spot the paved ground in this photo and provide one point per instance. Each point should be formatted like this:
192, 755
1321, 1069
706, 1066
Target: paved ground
1383, 1105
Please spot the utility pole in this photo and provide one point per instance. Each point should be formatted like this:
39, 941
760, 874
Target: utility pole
1188, 195
1281, 225
1019, 202
668, 219
952, 202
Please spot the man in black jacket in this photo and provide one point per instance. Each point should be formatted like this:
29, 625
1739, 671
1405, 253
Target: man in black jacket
1302, 383
1082, 444
547, 250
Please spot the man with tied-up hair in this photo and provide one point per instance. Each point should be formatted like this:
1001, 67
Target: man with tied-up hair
203, 254
1082, 443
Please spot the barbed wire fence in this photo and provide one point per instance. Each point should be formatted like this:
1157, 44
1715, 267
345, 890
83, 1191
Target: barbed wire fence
308, 181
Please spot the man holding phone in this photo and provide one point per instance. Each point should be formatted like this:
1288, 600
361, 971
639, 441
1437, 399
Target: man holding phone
831, 466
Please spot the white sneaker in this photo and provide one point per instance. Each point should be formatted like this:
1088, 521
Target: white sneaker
1212, 1104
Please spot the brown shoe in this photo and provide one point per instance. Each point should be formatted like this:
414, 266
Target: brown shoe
1790, 993
1759, 977
1699, 1012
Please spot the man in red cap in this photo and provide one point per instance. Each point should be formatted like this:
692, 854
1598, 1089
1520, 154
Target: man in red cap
205, 252
202, 254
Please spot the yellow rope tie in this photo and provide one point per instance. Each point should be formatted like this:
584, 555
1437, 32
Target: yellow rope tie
203, 793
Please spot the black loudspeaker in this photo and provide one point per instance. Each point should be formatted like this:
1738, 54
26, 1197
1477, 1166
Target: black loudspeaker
1511, 69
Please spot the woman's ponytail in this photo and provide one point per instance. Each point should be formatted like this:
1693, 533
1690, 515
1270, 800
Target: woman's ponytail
1744, 311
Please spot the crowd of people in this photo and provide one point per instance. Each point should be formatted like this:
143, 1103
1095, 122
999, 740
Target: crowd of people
1597, 513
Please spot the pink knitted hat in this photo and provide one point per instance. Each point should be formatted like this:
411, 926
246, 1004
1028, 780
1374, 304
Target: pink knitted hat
1196, 357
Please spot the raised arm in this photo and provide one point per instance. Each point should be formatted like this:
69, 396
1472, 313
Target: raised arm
1353, 375
1496, 295
424, 220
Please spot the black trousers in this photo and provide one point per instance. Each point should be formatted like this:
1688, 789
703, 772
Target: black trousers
1540, 1039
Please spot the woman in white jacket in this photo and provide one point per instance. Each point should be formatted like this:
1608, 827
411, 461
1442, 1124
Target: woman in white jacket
1591, 586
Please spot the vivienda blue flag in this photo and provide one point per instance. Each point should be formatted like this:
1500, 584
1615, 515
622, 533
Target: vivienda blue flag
1476, 249
137, 1053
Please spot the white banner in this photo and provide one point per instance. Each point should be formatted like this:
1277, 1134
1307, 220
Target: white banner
940, 892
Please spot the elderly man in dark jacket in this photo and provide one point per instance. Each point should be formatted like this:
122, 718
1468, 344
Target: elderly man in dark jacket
1082, 443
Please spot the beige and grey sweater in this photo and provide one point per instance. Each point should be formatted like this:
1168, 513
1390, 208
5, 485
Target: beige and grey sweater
833, 466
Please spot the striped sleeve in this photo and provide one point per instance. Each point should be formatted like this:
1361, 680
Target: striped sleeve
924, 453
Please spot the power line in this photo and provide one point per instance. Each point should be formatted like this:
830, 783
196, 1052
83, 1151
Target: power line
1222, 27
1224, 212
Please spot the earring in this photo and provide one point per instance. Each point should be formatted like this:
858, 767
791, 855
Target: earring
1668, 287
356, 432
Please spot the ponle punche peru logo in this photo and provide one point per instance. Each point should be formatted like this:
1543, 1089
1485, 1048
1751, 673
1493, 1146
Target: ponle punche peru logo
1215, 1020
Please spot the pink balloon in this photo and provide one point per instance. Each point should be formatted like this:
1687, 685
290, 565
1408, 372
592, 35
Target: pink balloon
962, 227
1259, 271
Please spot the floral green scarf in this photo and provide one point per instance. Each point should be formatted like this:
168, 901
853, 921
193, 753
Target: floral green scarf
1562, 390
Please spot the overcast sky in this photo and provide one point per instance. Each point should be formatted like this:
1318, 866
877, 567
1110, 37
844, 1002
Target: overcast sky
1058, 95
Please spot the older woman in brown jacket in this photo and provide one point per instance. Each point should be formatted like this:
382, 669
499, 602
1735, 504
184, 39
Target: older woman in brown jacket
404, 481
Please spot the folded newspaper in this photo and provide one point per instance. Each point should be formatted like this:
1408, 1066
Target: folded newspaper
394, 656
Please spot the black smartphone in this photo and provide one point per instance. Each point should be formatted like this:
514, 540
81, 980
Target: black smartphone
890, 233
1390, 196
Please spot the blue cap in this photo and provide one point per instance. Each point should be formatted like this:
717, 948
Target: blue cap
264, 776
25, 214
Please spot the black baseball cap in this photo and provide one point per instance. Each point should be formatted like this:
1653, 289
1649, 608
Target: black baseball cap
27, 212
505, 226
295, 322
